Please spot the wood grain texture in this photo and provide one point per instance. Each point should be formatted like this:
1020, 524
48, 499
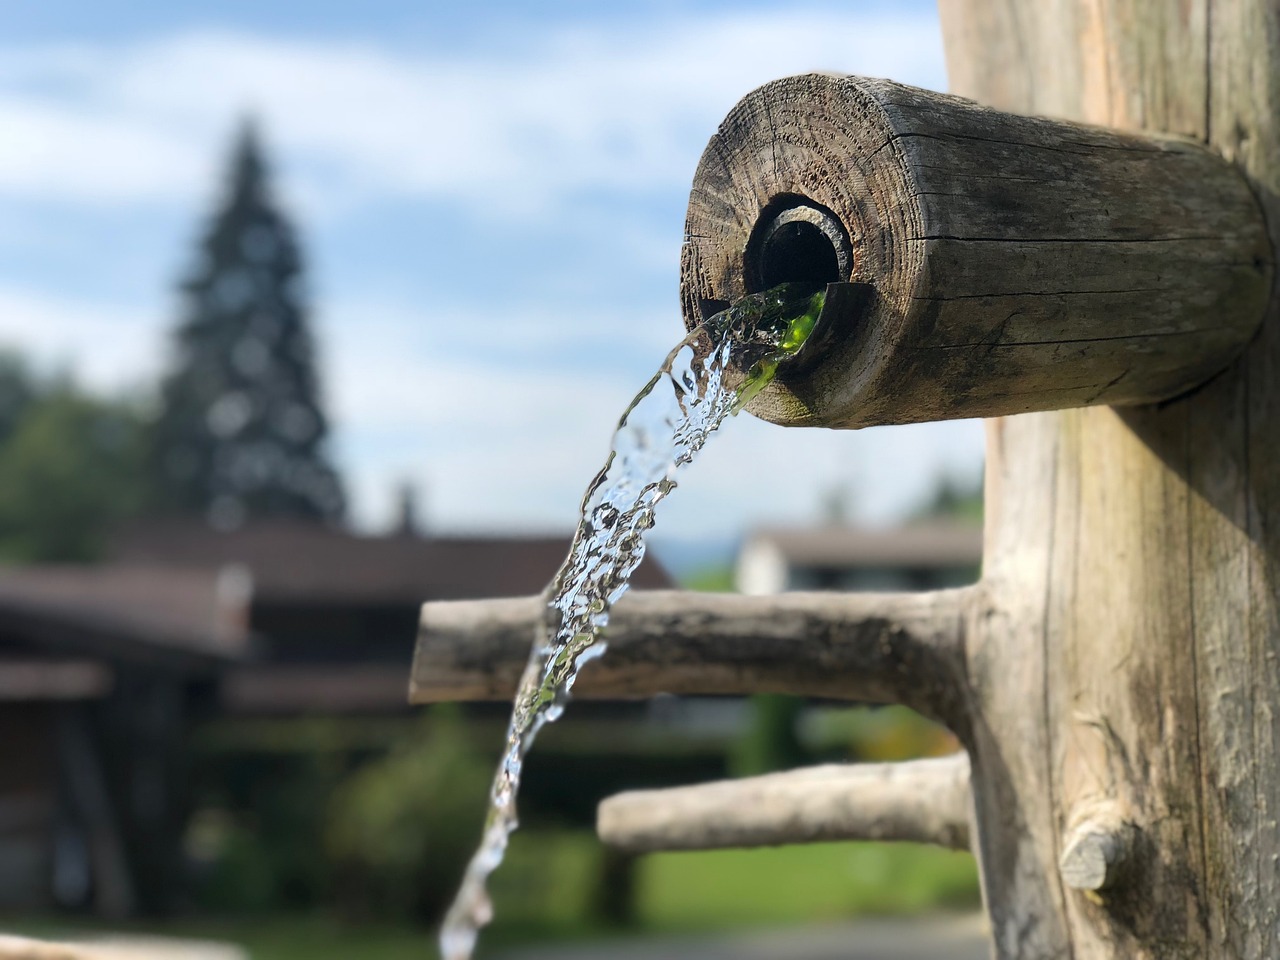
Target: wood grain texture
1133, 554
1131, 65
23, 948
920, 801
1018, 263
885, 648
1099, 851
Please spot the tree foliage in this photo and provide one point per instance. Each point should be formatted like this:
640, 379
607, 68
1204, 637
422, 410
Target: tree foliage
952, 498
402, 828
242, 433
70, 467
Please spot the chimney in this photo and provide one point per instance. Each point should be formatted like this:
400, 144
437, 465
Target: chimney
406, 523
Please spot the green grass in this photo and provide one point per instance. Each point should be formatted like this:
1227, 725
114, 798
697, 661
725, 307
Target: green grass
549, 879
714, 579
787, 885
544, 890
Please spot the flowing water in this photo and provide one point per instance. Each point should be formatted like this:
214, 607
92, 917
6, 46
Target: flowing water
701, 383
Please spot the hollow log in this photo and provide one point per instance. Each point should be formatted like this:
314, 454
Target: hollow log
894, 648
1007, 263
920, 801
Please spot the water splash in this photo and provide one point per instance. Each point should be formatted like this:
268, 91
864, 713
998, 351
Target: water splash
700, 384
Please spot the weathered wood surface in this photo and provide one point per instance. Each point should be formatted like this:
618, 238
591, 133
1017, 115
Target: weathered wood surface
921, 801
1018, 263
1099, 850
22, 948
1128, 659
136, 948
895, 648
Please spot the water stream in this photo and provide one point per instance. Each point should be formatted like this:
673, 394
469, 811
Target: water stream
701, 383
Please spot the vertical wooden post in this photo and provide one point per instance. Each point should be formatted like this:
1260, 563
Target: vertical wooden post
1133, 579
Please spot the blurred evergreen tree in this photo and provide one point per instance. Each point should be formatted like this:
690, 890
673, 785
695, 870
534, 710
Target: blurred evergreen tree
18, 389
241, 434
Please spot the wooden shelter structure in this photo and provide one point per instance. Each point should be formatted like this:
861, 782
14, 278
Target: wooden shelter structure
107, 670
102, 671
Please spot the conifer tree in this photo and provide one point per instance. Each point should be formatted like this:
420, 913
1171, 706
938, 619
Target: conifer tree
241, 434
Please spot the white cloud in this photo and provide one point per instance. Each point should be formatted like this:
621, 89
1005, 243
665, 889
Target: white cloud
753, 473
106, 347
392, 366
759, 473
497, 437
66, 153
512, 447
616, 108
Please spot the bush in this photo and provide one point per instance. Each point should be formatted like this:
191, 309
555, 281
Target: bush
401, 828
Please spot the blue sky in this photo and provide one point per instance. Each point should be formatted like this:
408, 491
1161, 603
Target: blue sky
490, 197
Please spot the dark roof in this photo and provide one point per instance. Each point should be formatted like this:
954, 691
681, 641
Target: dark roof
177, 596
24, 679
928, 544
267, 690
153, 614
298, 562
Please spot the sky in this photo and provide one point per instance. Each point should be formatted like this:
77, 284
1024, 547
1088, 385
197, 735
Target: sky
490, 199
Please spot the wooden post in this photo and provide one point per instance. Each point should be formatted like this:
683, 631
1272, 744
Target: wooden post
1128, 656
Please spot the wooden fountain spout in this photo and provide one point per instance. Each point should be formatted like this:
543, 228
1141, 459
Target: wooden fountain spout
1005, 263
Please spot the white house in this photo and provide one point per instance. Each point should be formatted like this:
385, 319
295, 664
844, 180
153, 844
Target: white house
919, 556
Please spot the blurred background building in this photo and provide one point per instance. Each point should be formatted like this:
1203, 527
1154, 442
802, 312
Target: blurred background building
925, 555
214, 581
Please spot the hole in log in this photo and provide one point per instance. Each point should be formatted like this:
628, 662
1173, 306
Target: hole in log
796, 241
708, 308
798, 251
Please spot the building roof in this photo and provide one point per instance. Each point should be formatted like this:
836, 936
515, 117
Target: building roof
154, 614
267, 690
297, 562
928, 544
179, 595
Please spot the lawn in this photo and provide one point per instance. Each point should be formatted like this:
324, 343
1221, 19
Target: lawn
544, 890
786, 885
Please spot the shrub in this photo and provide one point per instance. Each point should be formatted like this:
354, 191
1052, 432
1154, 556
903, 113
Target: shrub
401, 828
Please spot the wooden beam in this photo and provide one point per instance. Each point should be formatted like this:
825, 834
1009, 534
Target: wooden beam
1014, 263
886, 648
22, 948
138, 947
921, 801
